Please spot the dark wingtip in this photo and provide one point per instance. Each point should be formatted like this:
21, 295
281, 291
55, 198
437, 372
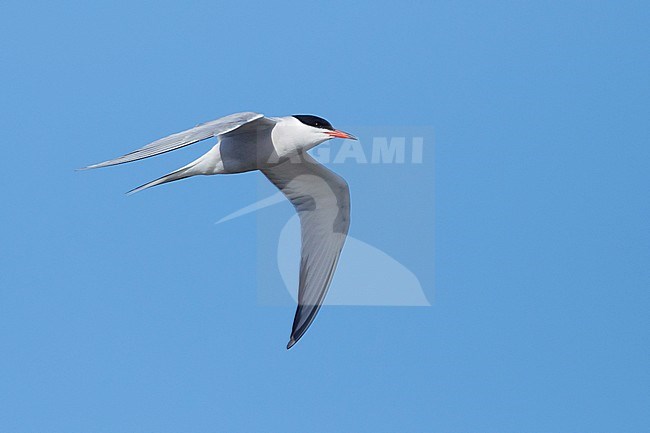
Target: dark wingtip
134, 190
291, 343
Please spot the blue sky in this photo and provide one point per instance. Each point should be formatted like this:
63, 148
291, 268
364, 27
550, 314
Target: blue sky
138, 314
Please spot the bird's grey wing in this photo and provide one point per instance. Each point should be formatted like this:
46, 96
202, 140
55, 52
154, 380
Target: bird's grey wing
322, 200
222, 126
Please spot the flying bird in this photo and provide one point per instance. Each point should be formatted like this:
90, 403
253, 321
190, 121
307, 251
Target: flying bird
277, 146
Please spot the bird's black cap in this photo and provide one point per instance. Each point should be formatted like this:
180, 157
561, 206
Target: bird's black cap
315, 121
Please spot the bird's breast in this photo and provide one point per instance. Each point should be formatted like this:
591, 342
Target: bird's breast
288, 140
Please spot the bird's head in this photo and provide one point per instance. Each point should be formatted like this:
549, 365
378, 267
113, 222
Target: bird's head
316, 130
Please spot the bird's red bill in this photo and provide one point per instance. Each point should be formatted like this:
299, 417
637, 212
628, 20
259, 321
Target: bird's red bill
340, 134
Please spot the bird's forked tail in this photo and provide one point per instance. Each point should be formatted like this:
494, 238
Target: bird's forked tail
179, 174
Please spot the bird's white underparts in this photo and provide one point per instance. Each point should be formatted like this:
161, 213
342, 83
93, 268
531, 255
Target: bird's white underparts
277, 146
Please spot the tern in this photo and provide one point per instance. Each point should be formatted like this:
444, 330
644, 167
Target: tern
276, 146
